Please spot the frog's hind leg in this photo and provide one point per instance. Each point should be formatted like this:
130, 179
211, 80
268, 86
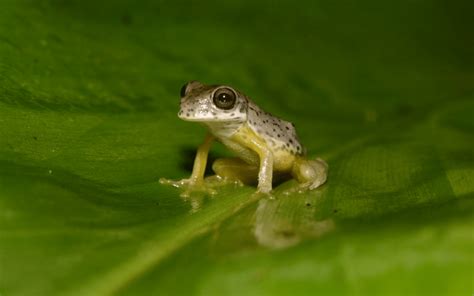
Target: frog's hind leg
235, 169
310, 173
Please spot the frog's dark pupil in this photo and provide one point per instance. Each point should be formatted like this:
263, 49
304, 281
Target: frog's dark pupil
183, 90
224, 99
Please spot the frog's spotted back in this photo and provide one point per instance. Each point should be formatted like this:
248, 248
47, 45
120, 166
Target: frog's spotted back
279, 134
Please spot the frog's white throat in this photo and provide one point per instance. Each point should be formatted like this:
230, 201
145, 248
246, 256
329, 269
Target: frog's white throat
224, 129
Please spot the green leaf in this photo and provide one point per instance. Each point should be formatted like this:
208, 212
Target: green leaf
88, 101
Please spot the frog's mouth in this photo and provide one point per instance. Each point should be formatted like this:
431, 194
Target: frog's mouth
183, 115
189, 115
200, 114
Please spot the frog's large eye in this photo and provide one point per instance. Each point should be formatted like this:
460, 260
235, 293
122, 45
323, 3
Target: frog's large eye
183, 90
224, 98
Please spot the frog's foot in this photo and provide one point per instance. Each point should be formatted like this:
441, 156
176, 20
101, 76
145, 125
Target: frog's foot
190, 186
310, 173
303, 187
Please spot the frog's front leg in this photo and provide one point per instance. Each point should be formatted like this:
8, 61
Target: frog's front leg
200, 161
248, 138
265, 173
196, 181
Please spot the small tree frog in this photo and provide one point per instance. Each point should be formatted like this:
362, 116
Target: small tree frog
266, 146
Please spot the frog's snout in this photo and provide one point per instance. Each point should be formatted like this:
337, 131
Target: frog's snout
182, 114
187, 112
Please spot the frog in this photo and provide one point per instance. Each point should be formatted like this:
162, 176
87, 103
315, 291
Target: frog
266, 147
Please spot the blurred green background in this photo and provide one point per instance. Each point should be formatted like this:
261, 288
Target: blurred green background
89, 92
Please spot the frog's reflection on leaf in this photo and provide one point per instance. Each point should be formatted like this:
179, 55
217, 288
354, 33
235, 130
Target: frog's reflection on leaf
196, 201
286, 221
276, 221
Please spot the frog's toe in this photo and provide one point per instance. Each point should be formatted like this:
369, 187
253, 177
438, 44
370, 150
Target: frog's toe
292, 190
190, 186
316, 184
298, 189
304, 187
174, 183
190, 191
168, 182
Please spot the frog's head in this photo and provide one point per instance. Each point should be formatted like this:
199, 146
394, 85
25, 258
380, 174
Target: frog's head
212, 103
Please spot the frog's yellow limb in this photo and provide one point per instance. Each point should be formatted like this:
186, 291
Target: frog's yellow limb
235, 169
200, 161
310, 173
247, 138
196, 181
